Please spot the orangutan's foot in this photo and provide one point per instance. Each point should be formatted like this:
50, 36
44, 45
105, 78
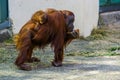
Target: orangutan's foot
57, 64
25, 67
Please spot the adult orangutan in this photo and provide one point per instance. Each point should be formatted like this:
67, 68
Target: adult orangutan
53, 27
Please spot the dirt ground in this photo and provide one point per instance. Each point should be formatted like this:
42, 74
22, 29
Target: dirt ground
74, 68
84, 60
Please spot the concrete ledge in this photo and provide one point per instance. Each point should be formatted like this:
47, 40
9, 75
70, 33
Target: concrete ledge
5, 24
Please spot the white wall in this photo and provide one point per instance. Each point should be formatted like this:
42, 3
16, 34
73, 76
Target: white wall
86, 12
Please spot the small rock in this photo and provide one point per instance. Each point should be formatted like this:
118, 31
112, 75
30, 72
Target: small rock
5, 34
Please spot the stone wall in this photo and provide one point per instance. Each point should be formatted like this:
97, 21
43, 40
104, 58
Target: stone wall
110, 18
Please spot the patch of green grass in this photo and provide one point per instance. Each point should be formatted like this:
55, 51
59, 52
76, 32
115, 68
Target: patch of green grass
86, 54
111, 54
114, 48
94, 54
9, 41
